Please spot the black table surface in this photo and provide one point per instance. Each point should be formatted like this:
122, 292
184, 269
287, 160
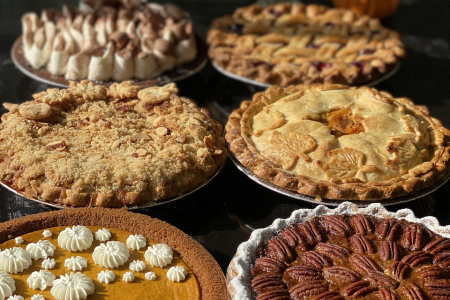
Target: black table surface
222, 214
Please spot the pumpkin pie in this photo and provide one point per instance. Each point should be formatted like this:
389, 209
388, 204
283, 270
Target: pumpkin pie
122, 146
289, 43
96, 253
336, 142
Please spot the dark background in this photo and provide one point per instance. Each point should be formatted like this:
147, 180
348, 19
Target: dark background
222, 214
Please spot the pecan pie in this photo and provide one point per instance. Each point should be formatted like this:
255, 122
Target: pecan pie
342, 256
122, 146
337, 142
289, 43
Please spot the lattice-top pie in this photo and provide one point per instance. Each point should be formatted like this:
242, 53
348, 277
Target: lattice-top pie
289, 43
337, 142
122, 146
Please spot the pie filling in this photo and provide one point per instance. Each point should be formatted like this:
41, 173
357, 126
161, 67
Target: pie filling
143, 286
353, 257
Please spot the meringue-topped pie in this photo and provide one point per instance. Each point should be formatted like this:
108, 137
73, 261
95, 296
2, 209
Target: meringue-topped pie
337, 142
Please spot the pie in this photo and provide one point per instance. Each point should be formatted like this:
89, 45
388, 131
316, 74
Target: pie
288, 43
117, 254
109, 40
123, 146
337, 142
329, 255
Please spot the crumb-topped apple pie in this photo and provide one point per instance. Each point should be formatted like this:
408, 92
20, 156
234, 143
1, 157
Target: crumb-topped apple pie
336, 142
289, 43
123, 146
109, 40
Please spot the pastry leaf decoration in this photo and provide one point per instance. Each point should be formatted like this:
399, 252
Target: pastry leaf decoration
346, 163
404, 155
412, 124
287, 149
270, 121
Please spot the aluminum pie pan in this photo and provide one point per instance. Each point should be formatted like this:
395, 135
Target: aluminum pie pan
266, 85
238, 274
185, 71
333, 202
152, 204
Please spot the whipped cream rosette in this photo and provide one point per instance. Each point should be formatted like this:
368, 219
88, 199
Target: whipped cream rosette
7, 285
14, 260
75, 286
41, 249
159, 255
40, 280
74, 239
106, 276
111, 255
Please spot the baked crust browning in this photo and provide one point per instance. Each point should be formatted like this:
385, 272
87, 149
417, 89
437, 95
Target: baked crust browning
289, 43
400, 151
90, 146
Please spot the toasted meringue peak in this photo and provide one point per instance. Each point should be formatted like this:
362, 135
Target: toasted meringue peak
186, 50
37, 297
101, 68
137, 265
150, 275
75, 263
106, 276
177, 273
7, 285
39, 53
77, 238
111, 255
48, 263
63, 47
14, 260
16, 297
75, 286
47, 233
136, 242
159, 255
78, 66
40, 280
102, 235
128, 277
19, 240
41, 249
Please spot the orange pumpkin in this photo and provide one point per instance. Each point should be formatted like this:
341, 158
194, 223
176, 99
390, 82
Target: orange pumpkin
374, 8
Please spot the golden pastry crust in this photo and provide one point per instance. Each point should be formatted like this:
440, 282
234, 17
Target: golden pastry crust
338, 142
110, 153
288, 44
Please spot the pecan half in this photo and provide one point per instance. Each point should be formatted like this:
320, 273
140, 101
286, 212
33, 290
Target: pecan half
411, 291
363, 264
268, 264
274, 295
361, 244
414, 237
315, 259
399, 270
301, 272
277, 248
335, 225
381, 280
357, 289
389, 229
438, 290
362, 224
438, 245
268, 282
431, 272
341, 274
386, 294
443, 259
389, 250
312, 234
292, 237
330, 295
332, 251
307, 289
416, 258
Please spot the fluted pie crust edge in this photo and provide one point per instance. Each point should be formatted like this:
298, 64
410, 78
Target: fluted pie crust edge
204, 266
424, 175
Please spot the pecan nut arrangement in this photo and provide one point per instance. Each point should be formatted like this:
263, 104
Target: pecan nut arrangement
122, 146
337, 142
290, 43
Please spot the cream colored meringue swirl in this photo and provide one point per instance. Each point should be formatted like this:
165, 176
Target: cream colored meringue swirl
14, 260
128, 277
76, 263
48, 263
150, 275
7, 285
103, 235
40, 280
41, 249
111, 255
75, 286
136, 242
177, 273
159, 255
77, 238
137, 265
106, 276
